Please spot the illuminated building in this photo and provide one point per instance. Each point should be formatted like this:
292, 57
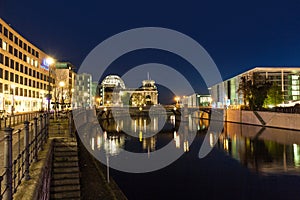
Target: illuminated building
83, 91
25, 73
112, 91
65, 81
196, 100
287, 78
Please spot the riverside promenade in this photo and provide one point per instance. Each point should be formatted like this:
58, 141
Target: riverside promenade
62, 168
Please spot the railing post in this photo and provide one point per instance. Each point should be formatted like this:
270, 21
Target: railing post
45, 127
26, 146
8, 162
41, 132
70, 123
35, 139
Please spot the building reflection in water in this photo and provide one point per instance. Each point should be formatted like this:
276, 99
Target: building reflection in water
262, 149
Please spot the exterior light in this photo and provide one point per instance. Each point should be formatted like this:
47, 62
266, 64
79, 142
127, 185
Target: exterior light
61, 84
49, 60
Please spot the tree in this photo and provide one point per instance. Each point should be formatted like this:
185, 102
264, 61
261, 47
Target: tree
254, 91
274, 96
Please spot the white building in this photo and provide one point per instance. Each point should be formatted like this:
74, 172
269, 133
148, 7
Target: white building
83, 91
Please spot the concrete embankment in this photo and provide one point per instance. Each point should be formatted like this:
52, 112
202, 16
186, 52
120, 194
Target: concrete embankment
262, 118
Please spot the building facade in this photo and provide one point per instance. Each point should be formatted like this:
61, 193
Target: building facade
287, 78
83, 91
196, 100
64, 87
112, 92
25, 78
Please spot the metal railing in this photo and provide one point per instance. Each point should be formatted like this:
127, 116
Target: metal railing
16, 119
19, 155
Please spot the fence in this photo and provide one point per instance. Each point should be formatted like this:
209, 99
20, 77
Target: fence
13, 120
19, 155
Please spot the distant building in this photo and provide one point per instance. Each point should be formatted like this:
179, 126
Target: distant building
83, 91
287, 78
112, 91
196, 100
65, 82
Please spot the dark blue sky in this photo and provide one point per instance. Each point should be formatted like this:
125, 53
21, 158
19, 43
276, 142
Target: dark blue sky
238, 35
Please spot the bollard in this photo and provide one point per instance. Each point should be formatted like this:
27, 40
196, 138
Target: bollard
35, 139
41, 132
26, 147
8, 163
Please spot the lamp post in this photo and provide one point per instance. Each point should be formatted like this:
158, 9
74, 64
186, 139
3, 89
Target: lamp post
62, 84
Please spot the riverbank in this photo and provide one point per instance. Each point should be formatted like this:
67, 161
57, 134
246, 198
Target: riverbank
93, 178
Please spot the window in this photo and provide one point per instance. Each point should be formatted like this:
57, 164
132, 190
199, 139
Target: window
1, 73
12, 76
26, 70
37, 85
29, 93
33, 73
1, 43
17, 91
5, 87
25, 92
16, 78
30, 72
27, 59
37, 74
10, 49
20, 43
6, 75
1, 88
16, 52
37, 54
6, 61
16, 40
29, 49
21, 68
29, 82
11, 36
4, 46
33, 52
24, 58
21, 80
0, 28
17, 66
12, 64
5, 32
33, 84
25, 81
1, 58
21, 91
20, 55
25, 46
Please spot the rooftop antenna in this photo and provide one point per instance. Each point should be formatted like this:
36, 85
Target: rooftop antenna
148, 76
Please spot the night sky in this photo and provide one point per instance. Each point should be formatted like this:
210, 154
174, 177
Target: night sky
238, 35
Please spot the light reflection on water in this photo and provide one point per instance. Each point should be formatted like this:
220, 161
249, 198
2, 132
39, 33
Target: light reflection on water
260, 149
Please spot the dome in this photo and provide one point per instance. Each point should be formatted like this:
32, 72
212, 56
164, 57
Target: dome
113, 81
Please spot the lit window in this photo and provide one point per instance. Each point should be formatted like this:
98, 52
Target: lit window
28, 60
4, 45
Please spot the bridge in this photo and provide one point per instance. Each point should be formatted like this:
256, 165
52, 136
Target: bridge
108, 112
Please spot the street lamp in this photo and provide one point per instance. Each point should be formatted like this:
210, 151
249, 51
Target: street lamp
62, 84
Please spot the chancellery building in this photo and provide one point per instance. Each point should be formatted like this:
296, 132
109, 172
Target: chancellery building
26, 77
